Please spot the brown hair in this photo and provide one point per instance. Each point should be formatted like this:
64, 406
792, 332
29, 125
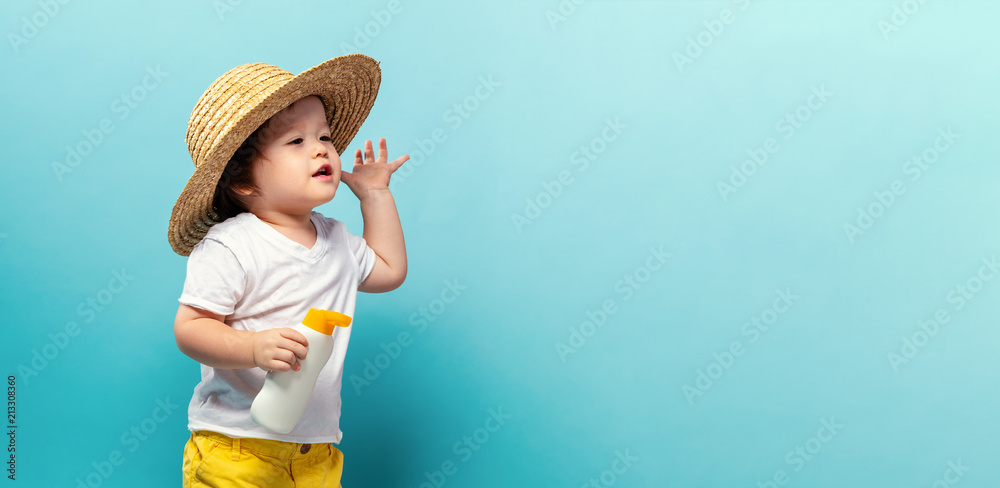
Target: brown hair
238, 174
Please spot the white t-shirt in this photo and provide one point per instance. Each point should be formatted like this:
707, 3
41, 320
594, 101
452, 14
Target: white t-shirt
259, 279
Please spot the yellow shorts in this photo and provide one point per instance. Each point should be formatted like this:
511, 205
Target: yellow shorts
217, 460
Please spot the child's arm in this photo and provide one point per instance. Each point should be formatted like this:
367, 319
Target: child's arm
204, 337
384, 235
370, 183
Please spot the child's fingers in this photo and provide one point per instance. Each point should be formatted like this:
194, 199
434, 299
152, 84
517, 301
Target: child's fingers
282, 360
286, 356
383, 153
295, 344
369, 152
399, 162
294, 335
296, 349
275, 365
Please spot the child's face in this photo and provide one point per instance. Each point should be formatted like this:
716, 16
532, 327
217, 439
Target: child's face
297, 168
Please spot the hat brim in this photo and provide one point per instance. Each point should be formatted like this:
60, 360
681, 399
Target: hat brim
347, 85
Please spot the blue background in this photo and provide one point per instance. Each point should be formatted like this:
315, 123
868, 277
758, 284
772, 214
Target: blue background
654, 381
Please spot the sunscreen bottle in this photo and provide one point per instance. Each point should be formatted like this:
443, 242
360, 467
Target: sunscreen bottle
283, 399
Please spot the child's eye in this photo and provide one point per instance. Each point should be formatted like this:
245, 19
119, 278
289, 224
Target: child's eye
299, 139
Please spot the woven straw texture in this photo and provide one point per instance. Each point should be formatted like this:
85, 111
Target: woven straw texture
242, 99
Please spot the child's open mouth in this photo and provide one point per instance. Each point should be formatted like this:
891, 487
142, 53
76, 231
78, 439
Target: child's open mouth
324, 172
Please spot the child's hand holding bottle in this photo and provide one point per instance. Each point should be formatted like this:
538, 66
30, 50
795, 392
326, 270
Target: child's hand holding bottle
279, 349
283, 398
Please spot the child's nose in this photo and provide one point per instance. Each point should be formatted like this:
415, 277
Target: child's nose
320, 149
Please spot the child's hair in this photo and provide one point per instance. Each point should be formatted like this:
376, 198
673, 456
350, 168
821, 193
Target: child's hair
226, 201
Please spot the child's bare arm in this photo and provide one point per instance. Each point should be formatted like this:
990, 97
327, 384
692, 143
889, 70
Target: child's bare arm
384, 235
204, 337
370, 183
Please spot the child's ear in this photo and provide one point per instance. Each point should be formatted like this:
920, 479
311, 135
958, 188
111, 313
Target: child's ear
242, 190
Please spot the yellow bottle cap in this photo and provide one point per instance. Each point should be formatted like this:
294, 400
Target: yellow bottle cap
323, 321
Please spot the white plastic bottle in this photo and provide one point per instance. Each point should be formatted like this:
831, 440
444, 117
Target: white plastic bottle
283, 399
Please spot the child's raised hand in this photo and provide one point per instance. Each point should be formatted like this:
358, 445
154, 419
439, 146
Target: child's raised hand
371, 174
279, 349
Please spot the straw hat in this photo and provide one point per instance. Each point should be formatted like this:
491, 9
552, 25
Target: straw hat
242, 99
